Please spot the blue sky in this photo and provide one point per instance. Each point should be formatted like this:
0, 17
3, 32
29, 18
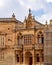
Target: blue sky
41, 9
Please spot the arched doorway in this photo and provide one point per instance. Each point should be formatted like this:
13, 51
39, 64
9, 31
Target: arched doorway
28, 58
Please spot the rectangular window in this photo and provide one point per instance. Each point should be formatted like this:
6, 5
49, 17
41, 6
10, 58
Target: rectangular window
27, 39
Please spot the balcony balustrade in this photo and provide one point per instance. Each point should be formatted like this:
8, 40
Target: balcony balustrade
36, 46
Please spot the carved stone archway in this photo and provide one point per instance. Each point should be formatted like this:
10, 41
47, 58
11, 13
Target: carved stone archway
28, 58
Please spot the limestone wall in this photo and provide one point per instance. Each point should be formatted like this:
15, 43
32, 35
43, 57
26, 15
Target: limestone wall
48, 48
8, 58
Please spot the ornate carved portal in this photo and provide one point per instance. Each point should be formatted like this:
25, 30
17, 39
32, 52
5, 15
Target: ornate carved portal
28, 58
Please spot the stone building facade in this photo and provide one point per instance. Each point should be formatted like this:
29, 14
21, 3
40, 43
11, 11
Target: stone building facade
48, 44
21, 43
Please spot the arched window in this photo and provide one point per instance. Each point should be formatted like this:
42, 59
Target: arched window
40, 37
17, 57
19, 39
38, 58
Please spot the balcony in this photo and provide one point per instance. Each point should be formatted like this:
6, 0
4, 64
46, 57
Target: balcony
36, 46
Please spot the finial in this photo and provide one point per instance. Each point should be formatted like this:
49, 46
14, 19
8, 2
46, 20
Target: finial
29, 11
46, 25
13, 15
46, 22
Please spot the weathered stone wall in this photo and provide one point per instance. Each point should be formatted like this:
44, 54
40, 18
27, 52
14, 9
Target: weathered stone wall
8, 58
48, 48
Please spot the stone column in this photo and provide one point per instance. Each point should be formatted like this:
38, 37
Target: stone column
33, 58
23, 58
14, 61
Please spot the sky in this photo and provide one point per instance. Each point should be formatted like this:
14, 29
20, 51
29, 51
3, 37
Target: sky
41, 9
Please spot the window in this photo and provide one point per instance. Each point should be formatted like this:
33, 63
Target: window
17, 58
40, 38
42, 58
37, 57
27, 39
20, 39
1, 40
